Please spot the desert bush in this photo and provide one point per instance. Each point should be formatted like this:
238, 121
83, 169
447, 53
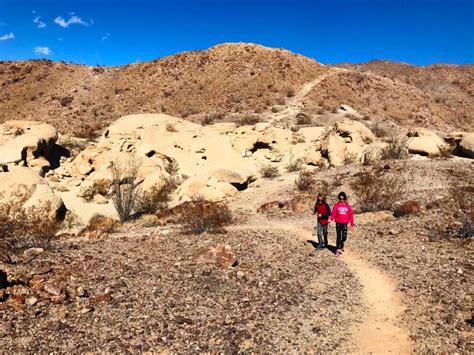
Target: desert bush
21, 226
210, 118
406, 208
98, 187
465, 229
171, 128
290, 92
157, 197
87, 132
395, 150
201, 216
125, 187
379, 131
269, 171
294, 164
101, 224
247, 120
445, 151
305, 180
350, 158
303, 118
376, 191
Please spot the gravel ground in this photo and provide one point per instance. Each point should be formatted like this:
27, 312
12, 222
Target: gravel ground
143, 290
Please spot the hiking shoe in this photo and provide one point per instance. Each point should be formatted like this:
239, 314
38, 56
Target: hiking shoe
320, 246
338, 252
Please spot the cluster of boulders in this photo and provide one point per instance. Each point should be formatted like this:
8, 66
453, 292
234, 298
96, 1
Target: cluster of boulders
213, 162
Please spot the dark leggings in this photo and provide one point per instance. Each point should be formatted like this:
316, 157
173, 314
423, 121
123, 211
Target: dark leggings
341, 232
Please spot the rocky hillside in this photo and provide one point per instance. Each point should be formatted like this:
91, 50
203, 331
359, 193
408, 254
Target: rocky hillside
229, 81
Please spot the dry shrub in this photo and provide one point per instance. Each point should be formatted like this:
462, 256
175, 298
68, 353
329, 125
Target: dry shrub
303, 118
445, 151
294, 165
125, 187
157, 197
98, 187
461, 194
201, 216
269, 171
99, 226
406, 208
247, 120
376, 191
171, 128
395, 150
379, 131
87, 132
305, 180
21, 226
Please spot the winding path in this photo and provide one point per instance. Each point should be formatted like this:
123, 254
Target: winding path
378, 332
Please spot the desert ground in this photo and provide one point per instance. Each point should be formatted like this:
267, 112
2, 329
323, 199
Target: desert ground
216, 251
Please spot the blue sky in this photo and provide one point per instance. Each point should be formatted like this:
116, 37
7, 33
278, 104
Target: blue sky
112, 32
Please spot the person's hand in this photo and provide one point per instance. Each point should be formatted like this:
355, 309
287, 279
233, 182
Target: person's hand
353, 227
319, 214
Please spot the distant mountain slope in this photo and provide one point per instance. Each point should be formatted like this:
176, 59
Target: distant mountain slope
230, 80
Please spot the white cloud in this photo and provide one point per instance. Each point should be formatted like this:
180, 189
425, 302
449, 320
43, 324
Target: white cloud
105, 37
73, 20
43, 50
7, 36
39, 23
60, 39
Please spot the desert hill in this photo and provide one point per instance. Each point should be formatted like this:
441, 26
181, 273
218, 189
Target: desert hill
231, 81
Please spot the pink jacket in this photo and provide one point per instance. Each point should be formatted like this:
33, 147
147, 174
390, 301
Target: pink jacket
342, 213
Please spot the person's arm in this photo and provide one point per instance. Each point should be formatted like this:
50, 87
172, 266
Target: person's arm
333, 214
328, 212
313, 209
351, 216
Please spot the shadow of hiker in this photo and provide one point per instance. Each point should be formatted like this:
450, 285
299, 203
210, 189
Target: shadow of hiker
331, 248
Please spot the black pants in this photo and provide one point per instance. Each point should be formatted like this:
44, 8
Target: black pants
341, 235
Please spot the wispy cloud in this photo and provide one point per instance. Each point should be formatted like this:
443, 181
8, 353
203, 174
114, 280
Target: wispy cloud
60, 39
73, 20
43, 50
2, 24
39, 23
7, 36
105, 37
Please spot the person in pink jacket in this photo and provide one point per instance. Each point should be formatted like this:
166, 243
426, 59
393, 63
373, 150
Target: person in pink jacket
343, 215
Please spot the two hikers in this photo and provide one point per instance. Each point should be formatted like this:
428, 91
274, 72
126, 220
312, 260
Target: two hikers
342, 213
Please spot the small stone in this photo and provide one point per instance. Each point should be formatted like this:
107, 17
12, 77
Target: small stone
100, 200
393, 232
81, 291
32, 252
240, 274
182, 320
53, 289
31, 301
460, 272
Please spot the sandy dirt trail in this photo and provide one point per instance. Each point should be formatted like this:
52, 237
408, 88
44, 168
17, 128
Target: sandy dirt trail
378, 332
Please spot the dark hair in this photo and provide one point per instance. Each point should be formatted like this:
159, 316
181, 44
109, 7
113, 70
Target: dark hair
321, 195
341, 194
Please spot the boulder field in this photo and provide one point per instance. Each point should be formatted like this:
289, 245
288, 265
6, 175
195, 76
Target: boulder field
212, 162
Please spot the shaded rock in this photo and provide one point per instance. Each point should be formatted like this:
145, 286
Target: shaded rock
467, 144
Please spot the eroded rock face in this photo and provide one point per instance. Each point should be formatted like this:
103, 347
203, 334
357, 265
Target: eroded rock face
26, 142
467, 144
424, 142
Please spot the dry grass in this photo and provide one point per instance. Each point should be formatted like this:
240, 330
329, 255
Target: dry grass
98, 187
294, 164
200, 216
247, 120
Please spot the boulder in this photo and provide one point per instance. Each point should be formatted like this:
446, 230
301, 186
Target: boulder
37, 192
334, 147
424, 142
25, 141
467, 144
357, 131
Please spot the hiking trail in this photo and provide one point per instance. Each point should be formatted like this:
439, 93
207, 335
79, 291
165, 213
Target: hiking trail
378, 331
294, 105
